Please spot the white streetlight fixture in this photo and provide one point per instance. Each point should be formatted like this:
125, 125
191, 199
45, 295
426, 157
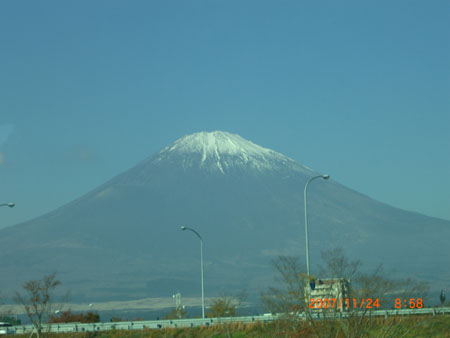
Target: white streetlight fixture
7, 205
201, 266
325, 177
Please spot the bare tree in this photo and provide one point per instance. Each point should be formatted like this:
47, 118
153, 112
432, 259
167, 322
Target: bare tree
337, 265
288, 299
226, 305
38, 301
368, 291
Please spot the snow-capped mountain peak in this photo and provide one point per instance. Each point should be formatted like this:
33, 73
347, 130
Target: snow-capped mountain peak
211, 143
223, 151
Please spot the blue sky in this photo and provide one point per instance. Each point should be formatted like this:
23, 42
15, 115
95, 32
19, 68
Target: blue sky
356, 89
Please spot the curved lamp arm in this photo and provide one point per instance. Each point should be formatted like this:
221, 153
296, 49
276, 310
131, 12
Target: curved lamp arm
195, 232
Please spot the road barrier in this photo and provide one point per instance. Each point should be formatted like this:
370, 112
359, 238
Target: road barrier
194, 322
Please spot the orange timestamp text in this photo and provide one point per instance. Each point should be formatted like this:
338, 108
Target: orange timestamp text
411, 303
333, 303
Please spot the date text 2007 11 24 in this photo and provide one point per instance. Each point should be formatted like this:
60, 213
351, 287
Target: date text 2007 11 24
333, 303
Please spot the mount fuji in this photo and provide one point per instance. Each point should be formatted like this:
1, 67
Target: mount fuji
123, 239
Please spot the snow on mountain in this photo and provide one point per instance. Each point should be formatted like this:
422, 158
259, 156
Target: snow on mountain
222, 151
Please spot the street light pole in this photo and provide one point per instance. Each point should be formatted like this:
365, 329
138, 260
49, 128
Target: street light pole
7, 205
201, 266
325, 177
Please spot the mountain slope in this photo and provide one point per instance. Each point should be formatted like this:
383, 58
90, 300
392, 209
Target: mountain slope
123, 239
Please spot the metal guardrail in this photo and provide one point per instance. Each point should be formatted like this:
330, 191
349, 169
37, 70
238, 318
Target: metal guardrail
194, 322
385, 313
140, 325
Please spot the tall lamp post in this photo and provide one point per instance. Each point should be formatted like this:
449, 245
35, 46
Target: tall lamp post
201, 266
7, 205
325, 177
